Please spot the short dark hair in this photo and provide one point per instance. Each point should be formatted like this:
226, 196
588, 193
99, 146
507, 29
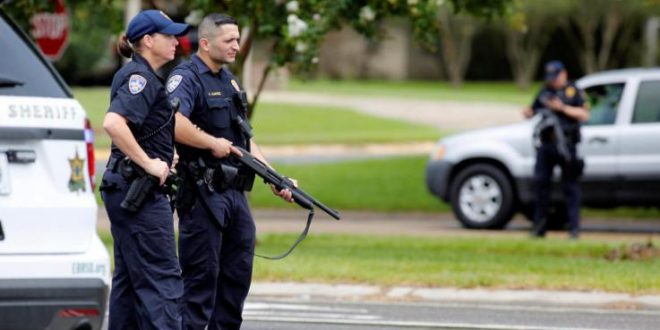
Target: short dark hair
213, 21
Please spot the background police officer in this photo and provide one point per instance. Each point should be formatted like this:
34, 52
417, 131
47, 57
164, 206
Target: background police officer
146, 284
216, 229
567, 103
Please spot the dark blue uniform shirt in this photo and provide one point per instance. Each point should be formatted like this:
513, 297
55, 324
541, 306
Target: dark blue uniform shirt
569, 95
207, 99
138, 94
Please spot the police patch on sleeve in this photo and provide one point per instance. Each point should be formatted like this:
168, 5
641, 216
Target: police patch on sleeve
136, 83
173, 82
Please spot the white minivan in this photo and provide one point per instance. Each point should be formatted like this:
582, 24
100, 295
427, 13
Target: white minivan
54, 269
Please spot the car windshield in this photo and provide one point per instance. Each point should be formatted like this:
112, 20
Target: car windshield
22, 72
604, 101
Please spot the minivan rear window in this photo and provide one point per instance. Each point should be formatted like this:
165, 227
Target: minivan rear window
22, 71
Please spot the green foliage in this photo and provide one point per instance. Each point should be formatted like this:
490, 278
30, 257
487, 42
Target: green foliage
298, 27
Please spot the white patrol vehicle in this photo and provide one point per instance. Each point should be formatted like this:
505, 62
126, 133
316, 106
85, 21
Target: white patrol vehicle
54, 269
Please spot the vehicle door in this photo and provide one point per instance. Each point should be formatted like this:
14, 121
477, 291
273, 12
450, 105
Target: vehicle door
639, 147
600, 140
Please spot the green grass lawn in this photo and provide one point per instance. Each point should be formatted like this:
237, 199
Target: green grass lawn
484, 262
277, 124
96, 101
457, 262
503, 92
391, 184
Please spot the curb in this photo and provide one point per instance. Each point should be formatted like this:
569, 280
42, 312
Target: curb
353, 292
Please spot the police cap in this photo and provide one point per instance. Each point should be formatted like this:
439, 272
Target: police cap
553, 69
152, 21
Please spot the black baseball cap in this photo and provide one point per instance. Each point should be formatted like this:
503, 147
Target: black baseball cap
152, 21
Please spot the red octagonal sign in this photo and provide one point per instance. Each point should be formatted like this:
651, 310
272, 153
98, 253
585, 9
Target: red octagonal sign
51, 30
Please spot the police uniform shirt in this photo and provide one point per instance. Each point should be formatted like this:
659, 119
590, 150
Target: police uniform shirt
210, 107
569, 95
138, 94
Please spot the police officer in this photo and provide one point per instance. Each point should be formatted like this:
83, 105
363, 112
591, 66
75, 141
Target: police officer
146, 284
216, 229
567, 103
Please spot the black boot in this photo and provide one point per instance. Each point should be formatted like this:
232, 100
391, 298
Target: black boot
539, 229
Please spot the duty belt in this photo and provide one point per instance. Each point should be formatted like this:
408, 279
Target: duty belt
220, 177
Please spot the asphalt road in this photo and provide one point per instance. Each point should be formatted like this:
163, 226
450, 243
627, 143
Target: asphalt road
276, 315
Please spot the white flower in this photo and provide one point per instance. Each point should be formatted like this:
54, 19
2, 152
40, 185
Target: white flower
292, 6
315, 59
301, 47
317, 17
194, 17
367, 14
296, 26
412, 2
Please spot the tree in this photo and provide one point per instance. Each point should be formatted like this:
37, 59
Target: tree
296, 28
528, 31
598, 27
456, 34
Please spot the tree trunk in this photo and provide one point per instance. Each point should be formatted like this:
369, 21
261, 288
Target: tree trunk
524, 50
456, 39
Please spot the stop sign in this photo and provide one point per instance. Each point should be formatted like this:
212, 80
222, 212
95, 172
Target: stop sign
51, 30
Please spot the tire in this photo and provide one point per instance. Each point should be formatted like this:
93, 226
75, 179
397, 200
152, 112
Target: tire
482, 197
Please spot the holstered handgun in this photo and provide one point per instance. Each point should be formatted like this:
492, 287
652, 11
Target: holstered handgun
142, 185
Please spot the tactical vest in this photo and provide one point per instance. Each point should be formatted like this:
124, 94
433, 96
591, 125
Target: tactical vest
217, 116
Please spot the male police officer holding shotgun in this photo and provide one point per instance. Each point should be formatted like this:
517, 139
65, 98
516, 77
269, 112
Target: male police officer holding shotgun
216, 229
564, 106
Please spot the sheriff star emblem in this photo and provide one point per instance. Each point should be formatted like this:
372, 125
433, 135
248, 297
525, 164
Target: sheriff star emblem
77, 179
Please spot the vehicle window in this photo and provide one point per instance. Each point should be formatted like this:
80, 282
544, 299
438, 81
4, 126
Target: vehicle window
604, 101
647, 106
22, 72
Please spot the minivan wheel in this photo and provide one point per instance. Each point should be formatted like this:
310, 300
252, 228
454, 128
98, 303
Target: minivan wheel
482, 197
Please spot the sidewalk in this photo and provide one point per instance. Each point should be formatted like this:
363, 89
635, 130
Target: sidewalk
351, 292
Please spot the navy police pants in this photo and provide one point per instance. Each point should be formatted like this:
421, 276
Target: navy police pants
146, 284
216, 246
547, 157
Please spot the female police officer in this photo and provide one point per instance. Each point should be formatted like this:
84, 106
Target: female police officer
146, 284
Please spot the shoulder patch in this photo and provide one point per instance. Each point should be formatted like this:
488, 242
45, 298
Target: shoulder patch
570, 92
173, 82
136, 83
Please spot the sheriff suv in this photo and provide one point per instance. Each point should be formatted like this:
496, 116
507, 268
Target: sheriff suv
487, 174
54, 269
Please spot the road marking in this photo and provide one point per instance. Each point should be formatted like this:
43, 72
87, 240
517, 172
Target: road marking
300, 307
361, 316
422, 325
